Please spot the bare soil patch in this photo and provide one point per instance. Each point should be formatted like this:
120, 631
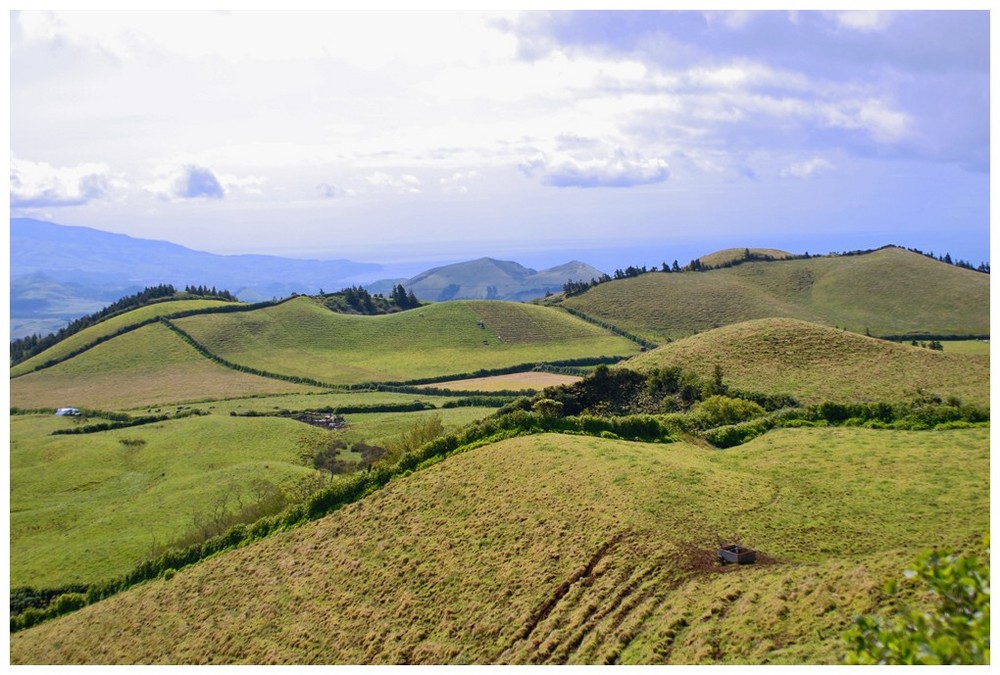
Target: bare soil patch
510, 382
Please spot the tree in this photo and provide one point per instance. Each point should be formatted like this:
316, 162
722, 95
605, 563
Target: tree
955, 630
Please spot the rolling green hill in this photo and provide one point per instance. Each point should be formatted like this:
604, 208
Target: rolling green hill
302, 338
108, 327
815, 363
887, 292
148, 366
567, 549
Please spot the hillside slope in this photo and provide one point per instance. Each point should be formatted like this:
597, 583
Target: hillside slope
567, 549
815, 363
301, 337
148, 366
887, 292
109, 326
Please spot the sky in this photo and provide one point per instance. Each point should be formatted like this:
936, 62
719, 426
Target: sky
406, 138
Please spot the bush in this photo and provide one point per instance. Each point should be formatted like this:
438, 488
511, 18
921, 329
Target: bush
731, 435
721, 410
955, 630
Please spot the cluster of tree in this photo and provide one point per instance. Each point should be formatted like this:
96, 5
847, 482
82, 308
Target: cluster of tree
213, 292
957, 262
331, 461
571, 288
357, 300
933, 344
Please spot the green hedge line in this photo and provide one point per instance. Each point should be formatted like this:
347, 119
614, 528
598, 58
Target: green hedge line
642, 342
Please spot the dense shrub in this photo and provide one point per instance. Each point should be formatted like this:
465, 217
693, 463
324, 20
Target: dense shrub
955, 630
736, 434
721, 410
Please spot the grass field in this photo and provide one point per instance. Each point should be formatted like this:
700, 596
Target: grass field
975, 347
98, 505
300, 337
567, 549
887, 292
109, 326
87, 507
814, 363
148, 366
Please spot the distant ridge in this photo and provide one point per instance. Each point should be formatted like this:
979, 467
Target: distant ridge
490, 279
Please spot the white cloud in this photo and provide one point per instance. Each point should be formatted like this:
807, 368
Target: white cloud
39, 184
862, 20
332, 191
458, 182
619, 168
808, 168
404, 184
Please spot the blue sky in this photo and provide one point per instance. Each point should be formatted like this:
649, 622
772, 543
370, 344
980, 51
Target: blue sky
406, 138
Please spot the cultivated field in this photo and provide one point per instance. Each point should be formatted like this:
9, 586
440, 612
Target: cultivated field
529, 381
814, 363
567, 549
887, 292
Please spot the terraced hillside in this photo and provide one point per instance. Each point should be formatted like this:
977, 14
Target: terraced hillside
148, 366
887, 292
815, 363
300, 337
567, 549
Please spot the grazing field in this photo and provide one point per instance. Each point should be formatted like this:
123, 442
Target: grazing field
976, 347
529, 381
107, 327
814, 363
302, 338
567, 549
887, 292
148, 366
88, 507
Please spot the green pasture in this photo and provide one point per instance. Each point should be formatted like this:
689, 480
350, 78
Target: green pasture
302, 338
887, 292
148, 366
107, 327
86, 507
814, 363
568, 549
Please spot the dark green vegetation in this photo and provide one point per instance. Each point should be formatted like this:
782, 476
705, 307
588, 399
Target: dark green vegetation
381, 522
886, 292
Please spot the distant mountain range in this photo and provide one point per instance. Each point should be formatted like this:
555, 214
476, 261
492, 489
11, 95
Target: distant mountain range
59, 273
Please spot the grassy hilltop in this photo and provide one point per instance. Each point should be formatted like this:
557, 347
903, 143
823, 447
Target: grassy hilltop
566, 549
300, 337
886, 292
815, 363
